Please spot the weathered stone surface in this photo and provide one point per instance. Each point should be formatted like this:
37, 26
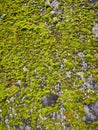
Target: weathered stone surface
89, 116
95, 30
94, 108
28, 128
91, 112
48, 100
54, 4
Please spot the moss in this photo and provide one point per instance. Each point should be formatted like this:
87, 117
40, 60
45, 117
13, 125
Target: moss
31, 37
2, 125
94, 125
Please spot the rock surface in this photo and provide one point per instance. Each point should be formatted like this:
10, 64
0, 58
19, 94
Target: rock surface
49, 100
91, 112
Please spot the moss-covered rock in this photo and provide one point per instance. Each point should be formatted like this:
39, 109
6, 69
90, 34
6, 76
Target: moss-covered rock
48, 47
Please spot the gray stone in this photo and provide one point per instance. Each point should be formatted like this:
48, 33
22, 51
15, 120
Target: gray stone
94, 1
13, 111
18, 83
7, 124
89, 115
12, 99
80, 54
42, 118
24, 68
49, 100
94, 85
28, 127
39, 127
89, 128
95, 30
57, 86
68, 74
91, 112
94, 108
55, 4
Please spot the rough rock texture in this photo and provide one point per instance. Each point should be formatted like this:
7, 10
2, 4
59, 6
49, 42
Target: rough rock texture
49, 100
91, 112
95, 29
